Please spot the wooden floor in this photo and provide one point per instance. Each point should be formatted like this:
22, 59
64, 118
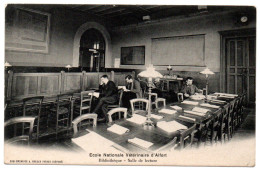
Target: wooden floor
247, 129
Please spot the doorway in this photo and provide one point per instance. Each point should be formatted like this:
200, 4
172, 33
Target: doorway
239, 63
92, 51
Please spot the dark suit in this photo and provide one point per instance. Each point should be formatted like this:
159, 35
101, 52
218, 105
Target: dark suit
108, 95
136, 88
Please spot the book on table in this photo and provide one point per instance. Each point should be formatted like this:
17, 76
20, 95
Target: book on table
140, 142
186, 118
170, 126
167, 111
138, 119
176, 107
120, 130
201, 110
190, 102
209, 105
156, 116
195, 113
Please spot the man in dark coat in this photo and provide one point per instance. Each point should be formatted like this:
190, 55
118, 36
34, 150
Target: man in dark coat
108, 95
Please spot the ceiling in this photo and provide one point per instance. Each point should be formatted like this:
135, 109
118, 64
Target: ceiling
121, 15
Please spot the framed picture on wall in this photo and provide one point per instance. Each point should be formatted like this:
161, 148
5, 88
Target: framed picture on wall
134, 55
29, 31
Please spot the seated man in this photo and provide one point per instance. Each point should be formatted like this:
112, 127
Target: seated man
189, 88
108, 95
133, 86
157, 87
133, 91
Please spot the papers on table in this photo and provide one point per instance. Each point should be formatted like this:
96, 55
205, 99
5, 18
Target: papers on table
201, 110
176, 107
96, 94
167, 111
187, 118
179, 78
140, 142
190, 102
171, 126
217, 101
210, 105
156, 116
226, 94
122, 87
138, 119
94, 140
197, 97
118, 129
194, 113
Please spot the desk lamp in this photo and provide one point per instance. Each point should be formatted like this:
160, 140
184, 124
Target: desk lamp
68, 67
150, 74
207, 72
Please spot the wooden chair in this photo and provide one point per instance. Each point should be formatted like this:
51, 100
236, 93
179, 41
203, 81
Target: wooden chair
118, 111
172, 145
90, 116
158, 101
63, 112
187, 136
180, 97
20, 120
225, 124
241, 106
32, 106
234, 117
139, 105
154, 97
85, 103
119, 104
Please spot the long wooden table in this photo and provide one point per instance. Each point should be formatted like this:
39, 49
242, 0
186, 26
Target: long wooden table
157, 136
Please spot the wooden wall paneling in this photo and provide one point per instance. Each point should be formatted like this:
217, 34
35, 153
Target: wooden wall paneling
62, 82
49, 84
9, 85
24, 85
72, 82
84, 81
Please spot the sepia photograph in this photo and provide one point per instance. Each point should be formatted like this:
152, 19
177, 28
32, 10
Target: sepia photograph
130, 84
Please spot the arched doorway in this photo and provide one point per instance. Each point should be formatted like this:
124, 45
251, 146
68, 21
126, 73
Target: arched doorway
92, 51
76, 44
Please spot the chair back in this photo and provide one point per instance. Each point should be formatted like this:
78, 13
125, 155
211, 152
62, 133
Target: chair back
169, 146
32, 105
20, 120
158, 101
120, 94
64, 100
90, 116
112, 113
186, 137
139, 104
86, 100
180, 97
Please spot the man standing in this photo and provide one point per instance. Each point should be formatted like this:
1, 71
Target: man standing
189, 89
108, 95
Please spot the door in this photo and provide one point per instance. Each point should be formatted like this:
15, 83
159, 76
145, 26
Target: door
240, 66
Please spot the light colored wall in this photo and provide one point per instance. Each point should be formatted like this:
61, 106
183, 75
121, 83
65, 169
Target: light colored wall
208, 25
63, 28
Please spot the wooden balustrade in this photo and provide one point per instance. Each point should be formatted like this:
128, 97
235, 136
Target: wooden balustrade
21, 85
